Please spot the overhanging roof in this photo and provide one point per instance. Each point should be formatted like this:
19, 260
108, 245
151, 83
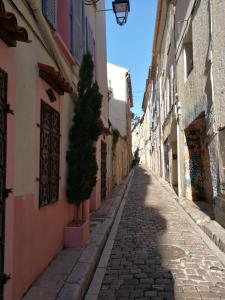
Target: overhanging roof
54, 79
10, 32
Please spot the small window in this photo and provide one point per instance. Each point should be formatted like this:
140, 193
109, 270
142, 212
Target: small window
49, 9
168, 95
188, 52
171, 85
49, 155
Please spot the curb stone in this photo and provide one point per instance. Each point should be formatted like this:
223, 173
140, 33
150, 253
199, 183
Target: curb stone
95, 285
79, 279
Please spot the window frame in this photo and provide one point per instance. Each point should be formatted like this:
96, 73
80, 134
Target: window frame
49, 159
188, 53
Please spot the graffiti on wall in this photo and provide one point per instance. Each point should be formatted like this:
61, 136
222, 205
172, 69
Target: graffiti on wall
198, 185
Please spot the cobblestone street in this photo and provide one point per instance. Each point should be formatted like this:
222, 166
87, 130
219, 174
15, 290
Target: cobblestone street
157, 253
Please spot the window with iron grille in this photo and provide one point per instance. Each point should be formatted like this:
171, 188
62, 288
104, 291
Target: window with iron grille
49, 155
49, 9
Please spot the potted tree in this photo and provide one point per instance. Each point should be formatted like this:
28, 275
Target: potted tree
81, 155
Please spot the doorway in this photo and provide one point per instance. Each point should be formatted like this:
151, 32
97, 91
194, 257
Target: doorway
198, 168
174, 166
166, 160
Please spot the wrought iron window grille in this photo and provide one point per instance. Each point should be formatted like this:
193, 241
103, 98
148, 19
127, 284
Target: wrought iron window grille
49, 155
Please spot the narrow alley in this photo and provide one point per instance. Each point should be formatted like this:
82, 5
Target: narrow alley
157, 252
112, 149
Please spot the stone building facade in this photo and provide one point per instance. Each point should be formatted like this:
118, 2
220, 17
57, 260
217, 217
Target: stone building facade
186, 100
120, 103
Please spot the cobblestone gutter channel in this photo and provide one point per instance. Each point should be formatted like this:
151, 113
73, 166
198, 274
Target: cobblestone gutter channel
96, 283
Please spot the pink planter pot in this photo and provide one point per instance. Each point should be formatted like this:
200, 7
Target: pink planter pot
76, 235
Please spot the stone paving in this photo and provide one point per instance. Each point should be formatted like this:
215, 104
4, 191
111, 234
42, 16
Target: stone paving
68, 274
157, 253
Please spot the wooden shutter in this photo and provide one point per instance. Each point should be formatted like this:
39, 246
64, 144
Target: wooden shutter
49, 9
77, 30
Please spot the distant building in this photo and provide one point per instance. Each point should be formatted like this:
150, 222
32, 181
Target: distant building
120, 103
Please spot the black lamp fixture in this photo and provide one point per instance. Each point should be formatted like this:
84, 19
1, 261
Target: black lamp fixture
121, 9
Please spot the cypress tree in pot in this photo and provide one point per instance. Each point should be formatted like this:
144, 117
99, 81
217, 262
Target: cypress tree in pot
85, 130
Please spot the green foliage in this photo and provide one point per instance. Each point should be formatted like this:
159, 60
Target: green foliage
85, 130
116, 135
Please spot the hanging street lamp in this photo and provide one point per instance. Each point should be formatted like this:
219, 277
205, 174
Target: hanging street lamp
121, 9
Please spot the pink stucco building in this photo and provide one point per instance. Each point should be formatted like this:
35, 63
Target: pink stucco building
41, 46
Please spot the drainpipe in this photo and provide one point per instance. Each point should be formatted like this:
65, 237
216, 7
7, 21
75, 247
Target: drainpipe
178, 116
215, 125
161, 131
35, 6
211, 48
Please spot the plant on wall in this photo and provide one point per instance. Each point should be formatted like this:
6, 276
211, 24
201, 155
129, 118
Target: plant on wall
116, 135
85, 130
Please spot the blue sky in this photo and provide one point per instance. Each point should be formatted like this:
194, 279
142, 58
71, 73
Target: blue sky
130, 45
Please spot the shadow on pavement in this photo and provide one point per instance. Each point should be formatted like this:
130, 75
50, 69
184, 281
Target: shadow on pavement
206, 208
135, 268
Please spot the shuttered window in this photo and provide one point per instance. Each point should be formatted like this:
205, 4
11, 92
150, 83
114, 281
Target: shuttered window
49, 9
77, 30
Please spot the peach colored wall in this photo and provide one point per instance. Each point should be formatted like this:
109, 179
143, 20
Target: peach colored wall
97, 22
34, 235
95, 200
38, 236
108, 188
